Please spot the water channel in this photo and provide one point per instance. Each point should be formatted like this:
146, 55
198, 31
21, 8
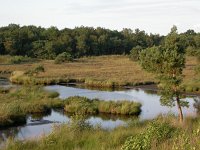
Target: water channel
37, 126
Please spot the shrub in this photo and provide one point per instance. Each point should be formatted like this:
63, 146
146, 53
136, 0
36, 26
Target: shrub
39, 68
191, 51
63, 57
18, 59
134, 53
155, 133
36, 70
78, 123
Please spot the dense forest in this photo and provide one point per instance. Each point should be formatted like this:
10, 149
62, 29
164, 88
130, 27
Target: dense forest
81, 41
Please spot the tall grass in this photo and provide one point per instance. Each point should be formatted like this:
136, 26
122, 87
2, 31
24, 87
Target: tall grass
95, 106
161, 133
98, 71
94, 71
17, 103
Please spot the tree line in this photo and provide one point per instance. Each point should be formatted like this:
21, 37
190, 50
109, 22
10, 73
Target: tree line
81, 41
47, 43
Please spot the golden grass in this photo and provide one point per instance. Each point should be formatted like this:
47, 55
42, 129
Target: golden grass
103, 68
108, 69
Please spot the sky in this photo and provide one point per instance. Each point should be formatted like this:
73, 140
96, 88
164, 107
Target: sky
153, 16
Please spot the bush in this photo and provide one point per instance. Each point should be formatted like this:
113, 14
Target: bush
39, 68
19, 59
191, 51
63, 57
134, 53
155, 133
36, 70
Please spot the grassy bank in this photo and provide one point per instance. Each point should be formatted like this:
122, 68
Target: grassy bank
101, 71
15, 104
162, 133
86, 106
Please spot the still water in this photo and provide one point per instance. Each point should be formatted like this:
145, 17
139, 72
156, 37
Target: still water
151, 106
41, 125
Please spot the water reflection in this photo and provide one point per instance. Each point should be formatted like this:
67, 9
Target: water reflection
151, 106
197, 104
39, 125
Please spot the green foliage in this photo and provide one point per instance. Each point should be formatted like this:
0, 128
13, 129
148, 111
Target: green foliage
16, 104
78, 123
191, 51
38, 69
86, 106
78, 134
81, 41
167, 62
63, 57
187, 142
134, 53
19, 59
2, 49
155, 133
81, 105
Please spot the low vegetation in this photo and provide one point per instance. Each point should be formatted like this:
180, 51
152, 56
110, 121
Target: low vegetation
86, 106
161, 133
15, 104
63, 57
19, 59
102, 71
6, 59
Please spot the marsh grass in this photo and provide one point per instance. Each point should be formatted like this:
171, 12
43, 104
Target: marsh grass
101, 71
16, 104
94, 106
161, 133
78, 134
7, 59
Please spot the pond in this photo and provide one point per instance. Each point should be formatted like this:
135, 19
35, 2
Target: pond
151, 106
37, 126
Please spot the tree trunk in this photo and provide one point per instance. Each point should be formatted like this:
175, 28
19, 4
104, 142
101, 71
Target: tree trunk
179, 110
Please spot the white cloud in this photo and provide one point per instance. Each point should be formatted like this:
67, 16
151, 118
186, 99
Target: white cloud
155, 16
